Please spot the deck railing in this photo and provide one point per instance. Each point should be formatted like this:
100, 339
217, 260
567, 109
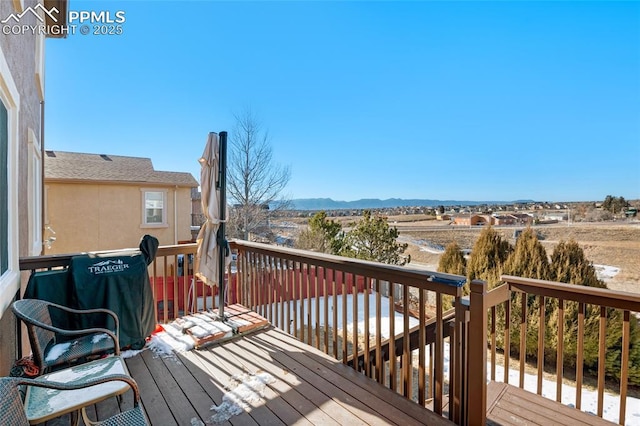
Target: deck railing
171, 274
312, 296
497, 315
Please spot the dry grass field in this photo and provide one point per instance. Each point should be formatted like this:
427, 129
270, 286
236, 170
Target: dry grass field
615, 244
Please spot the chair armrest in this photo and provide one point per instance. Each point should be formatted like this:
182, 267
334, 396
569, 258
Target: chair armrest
90, 311
80, 332
50, 384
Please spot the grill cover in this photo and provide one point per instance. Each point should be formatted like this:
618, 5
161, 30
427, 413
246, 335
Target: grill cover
119, 282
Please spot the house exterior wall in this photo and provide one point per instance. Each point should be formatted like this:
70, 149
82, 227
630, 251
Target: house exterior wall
19, 52
92, 217
473, 220
505, 220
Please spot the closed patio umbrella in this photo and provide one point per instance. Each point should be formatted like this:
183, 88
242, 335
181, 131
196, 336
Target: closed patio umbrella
210, 259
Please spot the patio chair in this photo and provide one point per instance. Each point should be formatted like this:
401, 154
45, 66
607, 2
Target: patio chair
12, 410
53, 346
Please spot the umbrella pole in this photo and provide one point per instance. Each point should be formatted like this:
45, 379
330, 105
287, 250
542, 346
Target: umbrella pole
222, 242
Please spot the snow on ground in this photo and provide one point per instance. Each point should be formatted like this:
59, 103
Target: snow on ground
384, 310
611, 410
605, 272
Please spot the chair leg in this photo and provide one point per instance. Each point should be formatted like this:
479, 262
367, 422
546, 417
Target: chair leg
75, 418
86, 419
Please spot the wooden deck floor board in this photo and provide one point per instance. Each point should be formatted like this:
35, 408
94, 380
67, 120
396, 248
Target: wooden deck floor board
510, 405
377, 398
152, 400
323, 385
299, 394
200, 367
292, 406
228, 366
310, 388
306, 391
169, 388
194, 393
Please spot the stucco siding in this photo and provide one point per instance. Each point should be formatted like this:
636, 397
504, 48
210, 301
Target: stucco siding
89, 217
20, 54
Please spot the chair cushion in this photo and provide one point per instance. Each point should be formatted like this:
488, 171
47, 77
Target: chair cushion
133, 417
65, 352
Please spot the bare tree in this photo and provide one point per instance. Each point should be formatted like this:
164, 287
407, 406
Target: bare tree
254, 182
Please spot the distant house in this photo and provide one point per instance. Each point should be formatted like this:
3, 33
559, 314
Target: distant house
523, 218
555, 217
106, 202
504, 219
473, 220
513, 219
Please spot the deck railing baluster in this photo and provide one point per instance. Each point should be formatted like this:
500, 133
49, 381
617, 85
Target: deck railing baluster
523, 336
354, 310
367, 330
272, 280
580, 355
602, 353
560, 351
317, 294
393, 377
624, 365
422, 342
345, 310
541, 332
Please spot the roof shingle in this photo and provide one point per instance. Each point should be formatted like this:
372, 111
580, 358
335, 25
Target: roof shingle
75, 166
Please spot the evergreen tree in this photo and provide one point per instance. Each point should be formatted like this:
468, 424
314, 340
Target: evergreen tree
372, 238
323, 235
452, 261
529, 260
569, 265
489, 253
614, 204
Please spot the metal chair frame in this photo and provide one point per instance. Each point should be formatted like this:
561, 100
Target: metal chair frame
43, 335
12, 410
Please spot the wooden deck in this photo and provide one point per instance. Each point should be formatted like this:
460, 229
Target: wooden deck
510, 405
309, 388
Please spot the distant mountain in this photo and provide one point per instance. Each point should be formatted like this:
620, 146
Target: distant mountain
374, 203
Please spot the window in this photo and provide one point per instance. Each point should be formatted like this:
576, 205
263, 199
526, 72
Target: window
35, 195
9, 111
4, 191
39, 71
154, 212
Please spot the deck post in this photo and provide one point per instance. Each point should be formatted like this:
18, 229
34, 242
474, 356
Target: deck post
477, 379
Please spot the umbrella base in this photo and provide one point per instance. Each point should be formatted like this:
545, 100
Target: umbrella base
206, 328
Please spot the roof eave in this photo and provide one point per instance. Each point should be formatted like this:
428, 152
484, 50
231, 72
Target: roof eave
59, 27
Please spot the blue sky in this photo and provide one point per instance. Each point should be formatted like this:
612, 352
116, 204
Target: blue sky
439, 100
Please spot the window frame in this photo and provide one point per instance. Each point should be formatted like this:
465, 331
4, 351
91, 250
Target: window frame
144, 223
18, 5
35, 195
39, 64
10, 98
